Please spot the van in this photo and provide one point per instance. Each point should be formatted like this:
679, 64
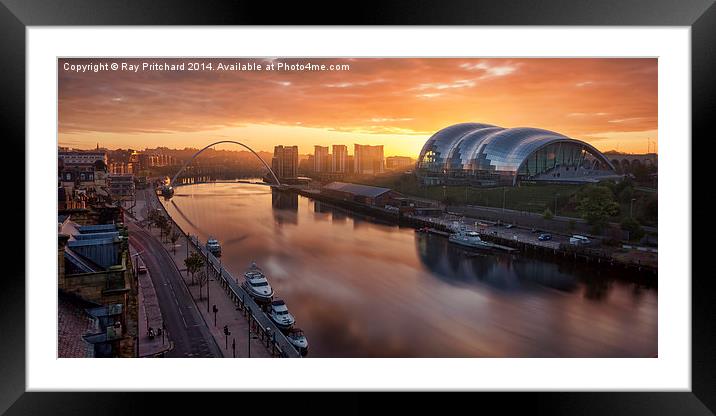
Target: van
578, 240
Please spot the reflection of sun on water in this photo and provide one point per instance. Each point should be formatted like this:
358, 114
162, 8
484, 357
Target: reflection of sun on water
360, 289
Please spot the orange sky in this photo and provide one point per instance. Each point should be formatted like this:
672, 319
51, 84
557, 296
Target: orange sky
610, 103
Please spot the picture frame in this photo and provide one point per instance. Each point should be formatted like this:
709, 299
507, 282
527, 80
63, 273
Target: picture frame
16, 16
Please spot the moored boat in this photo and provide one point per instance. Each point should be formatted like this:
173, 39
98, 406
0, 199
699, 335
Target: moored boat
298, 339
256, 285
280, 315
213, 246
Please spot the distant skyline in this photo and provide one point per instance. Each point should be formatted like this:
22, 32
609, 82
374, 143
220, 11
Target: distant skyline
397, 102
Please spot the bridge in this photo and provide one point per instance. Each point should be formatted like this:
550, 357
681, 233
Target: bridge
168, 190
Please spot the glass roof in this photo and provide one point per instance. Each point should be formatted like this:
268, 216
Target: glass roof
484, 147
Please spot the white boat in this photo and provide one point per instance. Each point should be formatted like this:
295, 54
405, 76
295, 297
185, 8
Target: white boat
256, 284
213, 246
280, 315
466, 237
298, 339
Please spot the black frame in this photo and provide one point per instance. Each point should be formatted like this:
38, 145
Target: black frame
15, 15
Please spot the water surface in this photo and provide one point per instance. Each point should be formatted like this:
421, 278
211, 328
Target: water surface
362, 288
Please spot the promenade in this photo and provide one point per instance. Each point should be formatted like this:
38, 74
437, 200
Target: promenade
241, 343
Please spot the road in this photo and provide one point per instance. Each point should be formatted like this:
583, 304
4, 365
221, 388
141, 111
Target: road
186, 327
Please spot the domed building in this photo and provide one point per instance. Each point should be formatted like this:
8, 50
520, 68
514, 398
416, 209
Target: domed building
487, 155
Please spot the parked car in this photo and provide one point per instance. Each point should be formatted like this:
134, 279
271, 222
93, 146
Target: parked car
509, 225
544, 237
578, 240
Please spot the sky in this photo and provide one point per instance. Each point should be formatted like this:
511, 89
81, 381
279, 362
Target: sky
398, 102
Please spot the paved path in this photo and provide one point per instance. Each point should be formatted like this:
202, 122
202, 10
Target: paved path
150, 315
188, 330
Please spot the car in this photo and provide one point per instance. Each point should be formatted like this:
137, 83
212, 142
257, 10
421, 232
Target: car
578, 240
142, 269
544, 237
509, 225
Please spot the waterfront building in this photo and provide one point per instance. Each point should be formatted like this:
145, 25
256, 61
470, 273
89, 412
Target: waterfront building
321, 159
369, 159
339, 159
285, 161
362, 194
96, 286
482, 154
72, 158
399, 163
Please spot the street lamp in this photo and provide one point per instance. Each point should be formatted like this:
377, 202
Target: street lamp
555, 204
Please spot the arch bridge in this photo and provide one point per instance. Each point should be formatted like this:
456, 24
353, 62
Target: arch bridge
169, 190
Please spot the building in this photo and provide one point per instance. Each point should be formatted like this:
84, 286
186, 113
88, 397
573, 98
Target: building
339, 161
482, 154
401, 163
285, 161
121, 186
97, 314
321, 159
149, 160
362, 194
368, 159
82, 157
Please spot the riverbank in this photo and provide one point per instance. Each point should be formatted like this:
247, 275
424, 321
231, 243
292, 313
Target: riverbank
520, 238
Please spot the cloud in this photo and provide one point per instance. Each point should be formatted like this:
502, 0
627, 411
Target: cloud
489, 71
625, 120
584, 83
382, 96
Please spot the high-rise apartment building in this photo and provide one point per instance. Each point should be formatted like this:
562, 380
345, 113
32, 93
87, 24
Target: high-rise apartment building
369, 159
285, 161
339, 159
321, 160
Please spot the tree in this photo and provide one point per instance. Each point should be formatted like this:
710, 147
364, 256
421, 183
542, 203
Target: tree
201, 278
193, 264
548, 215
596, 205
174, 238
633, 227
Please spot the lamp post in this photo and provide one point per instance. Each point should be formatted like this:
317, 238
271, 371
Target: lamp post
504, 196
555, 204
248, 328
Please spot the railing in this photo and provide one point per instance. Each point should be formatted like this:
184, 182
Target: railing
259, 323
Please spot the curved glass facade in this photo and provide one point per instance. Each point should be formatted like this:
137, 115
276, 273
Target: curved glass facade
492, 155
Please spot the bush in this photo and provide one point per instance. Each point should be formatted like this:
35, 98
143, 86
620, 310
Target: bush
633, 227
596, 205
548, 215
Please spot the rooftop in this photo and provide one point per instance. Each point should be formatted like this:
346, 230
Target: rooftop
356, 189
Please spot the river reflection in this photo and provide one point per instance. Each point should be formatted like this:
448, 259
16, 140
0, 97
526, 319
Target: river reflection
362, 288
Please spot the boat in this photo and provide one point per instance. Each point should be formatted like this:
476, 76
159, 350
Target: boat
467, 238
213, 246
256, 285
298, 339
280, 315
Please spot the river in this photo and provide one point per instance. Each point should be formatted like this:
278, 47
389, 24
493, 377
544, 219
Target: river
363, 288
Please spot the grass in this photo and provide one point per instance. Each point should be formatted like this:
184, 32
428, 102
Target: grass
524, 197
